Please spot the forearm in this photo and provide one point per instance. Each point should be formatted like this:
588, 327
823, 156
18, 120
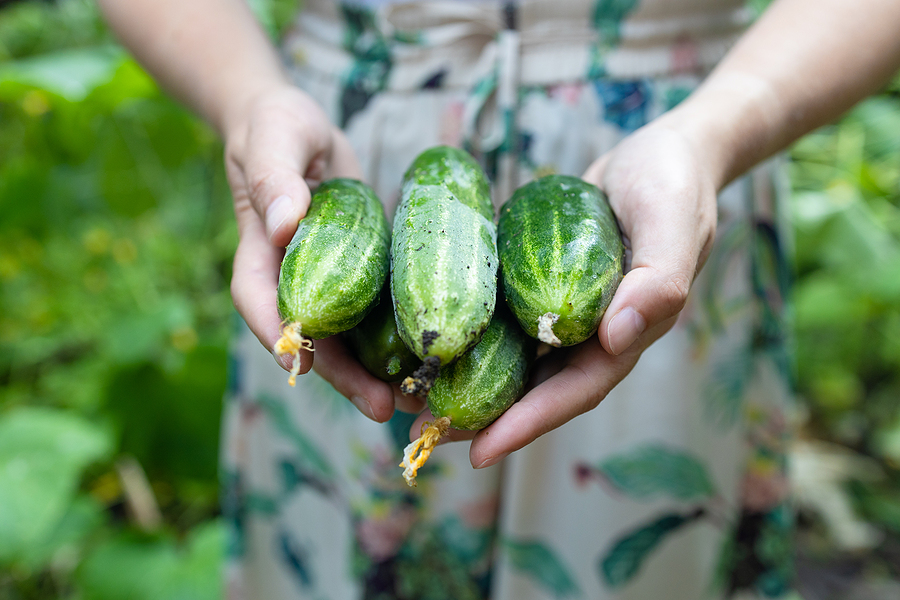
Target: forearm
799, 67
211, 54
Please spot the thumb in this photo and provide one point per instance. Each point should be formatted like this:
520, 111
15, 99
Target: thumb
275, 167
670, 231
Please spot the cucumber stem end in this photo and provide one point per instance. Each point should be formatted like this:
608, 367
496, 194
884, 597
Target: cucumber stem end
291, 342
431, 434
545, 329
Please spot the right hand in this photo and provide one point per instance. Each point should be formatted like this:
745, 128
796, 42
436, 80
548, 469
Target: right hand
278, 146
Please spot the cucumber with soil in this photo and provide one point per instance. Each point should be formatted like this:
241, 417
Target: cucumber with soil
443, 255
475, 390
334, 267
562, 256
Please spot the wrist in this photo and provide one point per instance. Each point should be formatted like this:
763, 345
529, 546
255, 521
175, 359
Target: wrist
234, 111
728, 121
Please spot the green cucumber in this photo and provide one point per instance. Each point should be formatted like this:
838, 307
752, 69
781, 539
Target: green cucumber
377, 344
486, 380
562, 255
443, 255
476, 389
334, 267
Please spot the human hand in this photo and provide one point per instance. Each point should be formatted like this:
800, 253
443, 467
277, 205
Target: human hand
665, 200
278, 146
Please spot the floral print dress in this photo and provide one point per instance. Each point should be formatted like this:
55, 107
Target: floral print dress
674, 487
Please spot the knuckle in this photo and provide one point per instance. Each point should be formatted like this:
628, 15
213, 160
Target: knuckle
260, 184
674, 292
593, 386
540, 420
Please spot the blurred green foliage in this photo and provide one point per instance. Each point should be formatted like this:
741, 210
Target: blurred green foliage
116, 239
846, 215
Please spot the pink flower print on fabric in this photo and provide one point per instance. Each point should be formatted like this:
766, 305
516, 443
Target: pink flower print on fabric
381, 536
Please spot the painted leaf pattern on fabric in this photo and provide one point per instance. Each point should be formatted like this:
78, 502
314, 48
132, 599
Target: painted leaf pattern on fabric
655, 471
277, 412
624, 559
725, 390
535, 560
625, 103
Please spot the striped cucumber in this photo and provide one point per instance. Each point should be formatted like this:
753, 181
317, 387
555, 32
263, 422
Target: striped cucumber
562, 257
334, 267
486, 380
377, 344
443, 256
476, 389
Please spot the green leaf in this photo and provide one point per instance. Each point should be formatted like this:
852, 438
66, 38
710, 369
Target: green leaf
72, 74
625, 558
83, 517
887, 440
42, 455
127, 568
824, 300
880, 119
170, 422
538, 562
655, 471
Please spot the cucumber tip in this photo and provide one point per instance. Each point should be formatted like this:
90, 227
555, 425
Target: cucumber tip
545, 329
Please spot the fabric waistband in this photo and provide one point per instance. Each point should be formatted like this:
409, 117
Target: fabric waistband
557, 41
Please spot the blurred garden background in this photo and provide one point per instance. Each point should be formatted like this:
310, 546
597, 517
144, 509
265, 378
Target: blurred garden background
116, 237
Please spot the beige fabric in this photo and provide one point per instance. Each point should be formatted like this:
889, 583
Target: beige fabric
557, 39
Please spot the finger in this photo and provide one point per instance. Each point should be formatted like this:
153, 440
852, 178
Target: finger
670, 230
343, 158
254, 280
578, 387
280, 150
334, 362
453, 435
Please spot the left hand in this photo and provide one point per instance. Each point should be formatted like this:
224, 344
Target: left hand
665, 199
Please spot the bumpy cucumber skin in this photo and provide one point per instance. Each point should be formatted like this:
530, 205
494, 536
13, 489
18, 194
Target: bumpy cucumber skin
337, 262
487, 379
377, 343
444, 255
561, 252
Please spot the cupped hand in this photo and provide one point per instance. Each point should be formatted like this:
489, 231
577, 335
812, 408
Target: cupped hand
280, 146
664, 197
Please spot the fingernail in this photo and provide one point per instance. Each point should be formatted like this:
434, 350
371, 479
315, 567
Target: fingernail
363, 405
492, 461
624, 329
277, 213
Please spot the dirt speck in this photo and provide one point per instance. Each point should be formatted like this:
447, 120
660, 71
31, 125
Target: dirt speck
421, 381
428, 338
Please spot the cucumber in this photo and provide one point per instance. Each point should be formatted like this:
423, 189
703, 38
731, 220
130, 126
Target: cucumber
486, 380
377, 344
443, 255
476, 389
334, 267
562, 255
